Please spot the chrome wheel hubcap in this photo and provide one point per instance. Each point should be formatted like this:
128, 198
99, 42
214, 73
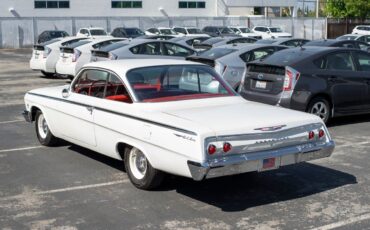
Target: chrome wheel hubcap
43, 128
320, 109
138, 163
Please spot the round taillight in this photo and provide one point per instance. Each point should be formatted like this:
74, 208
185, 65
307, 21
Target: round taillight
311, 135
211, 149
227, 147
321, 133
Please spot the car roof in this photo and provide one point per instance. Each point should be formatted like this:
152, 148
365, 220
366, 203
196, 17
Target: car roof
327, 42
123, 66
282, 58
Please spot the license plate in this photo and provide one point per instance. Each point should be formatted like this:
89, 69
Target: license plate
269, 164
261, 84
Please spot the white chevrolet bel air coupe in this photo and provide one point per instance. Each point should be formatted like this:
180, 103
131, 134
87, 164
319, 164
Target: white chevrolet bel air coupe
171, 116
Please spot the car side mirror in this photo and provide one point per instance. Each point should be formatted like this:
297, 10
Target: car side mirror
65, 93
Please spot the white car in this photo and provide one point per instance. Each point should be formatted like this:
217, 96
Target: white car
365, 30
189, 31
90, 32
172, 116
45, 55
271, 32
162, 31
73, 57
245, 32
356, 37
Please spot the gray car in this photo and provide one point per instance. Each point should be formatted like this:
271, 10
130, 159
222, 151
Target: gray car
357, 37
290, 42
189, 41
142, 48
230, 60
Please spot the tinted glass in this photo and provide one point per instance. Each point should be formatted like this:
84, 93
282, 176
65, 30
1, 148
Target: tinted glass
339, 61
194, 31
52, 4
153, 48
245, 30
167, 31
176, 50
97, 32
275, 30
217, 53
134, 31
363, 61
171, 83
91, 83
257, 54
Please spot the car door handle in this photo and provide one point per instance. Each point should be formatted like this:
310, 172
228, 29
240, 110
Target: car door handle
90, 109
332, 79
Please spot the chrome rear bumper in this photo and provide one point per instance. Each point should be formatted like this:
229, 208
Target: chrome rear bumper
250, 162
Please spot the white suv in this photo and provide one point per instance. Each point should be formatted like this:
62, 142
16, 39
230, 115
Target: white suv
92, 32
271, 32
245, 32
365, 30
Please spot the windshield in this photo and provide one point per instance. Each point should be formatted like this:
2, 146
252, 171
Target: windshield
226, 30
194, 31
245, 30
275, 30
97, 32
177, 82
134, 31
217, 53
167, 31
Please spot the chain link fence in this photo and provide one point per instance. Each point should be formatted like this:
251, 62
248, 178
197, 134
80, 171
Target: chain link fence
23, 32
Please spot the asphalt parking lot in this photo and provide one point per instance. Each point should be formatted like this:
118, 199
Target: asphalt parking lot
69, 187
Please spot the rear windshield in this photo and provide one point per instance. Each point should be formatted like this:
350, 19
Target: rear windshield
70, 42
217, 53
348, 37
212, 41
113, 46
287, 56
97, 32
50, 42
168, 31
79, 43
177, 82
265, 41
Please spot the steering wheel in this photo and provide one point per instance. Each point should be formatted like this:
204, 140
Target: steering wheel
98, 94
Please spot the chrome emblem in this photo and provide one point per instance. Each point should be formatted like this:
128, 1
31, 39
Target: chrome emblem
260, 76
272, 128
274, 141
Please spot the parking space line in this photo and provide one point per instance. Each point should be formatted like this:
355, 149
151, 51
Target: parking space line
344, 222
20, 149
67, 189
13, 121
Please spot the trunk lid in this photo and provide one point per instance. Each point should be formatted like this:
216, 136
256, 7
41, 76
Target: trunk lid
66, 54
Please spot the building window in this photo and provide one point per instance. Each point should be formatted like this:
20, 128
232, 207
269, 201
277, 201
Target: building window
51, 4
127, 4
192, 4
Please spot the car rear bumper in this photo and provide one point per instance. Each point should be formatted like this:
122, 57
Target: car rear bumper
65, 68
254, 162
38, 64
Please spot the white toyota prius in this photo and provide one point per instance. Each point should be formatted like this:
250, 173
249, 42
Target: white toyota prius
172, 116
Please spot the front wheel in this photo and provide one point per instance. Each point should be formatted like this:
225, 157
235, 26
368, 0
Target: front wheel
42, 130
140, 171
320, 107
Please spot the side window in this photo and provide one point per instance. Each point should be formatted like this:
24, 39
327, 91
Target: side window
293, 43
257, 29
347, 45
176, 50
363, 46
115, 90
363, 61
339, 61
91, 82
367, 38
151, 48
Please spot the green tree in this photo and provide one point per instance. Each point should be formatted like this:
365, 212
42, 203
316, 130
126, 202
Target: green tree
358, 8
336, 8
348, 8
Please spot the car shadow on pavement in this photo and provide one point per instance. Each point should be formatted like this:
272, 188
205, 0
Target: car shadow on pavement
241, 192
348, 120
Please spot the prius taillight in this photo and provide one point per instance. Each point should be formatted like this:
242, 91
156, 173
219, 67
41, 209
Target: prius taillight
291, 78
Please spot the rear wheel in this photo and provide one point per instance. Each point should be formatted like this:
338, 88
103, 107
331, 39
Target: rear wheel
46, 74
42, 130
140, 171
320, 107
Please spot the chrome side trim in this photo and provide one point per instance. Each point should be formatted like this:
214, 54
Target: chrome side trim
118, 113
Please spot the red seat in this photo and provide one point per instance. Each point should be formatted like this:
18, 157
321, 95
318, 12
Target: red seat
121, 98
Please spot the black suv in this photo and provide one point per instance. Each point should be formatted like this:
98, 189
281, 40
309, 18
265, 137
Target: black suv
48, 35
324, 81
219, 31
127, 32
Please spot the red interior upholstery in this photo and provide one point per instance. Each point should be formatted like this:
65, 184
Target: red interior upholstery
122, 98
